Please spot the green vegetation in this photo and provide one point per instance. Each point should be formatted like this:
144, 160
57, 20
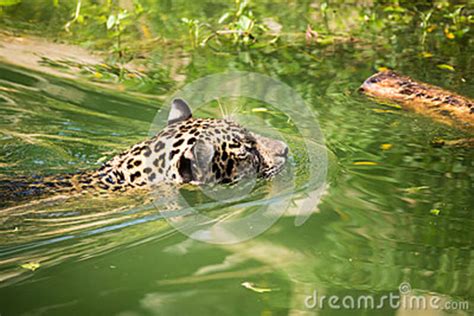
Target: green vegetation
127, 28
130, 34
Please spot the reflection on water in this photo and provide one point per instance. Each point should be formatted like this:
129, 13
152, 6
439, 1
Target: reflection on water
372, 231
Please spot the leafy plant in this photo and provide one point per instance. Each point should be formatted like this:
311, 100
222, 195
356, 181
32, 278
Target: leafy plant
459, 23
116, 24
240, 24
425, 25
195, 31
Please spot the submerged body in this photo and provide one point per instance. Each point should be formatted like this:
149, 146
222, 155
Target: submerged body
442, 105
187, 150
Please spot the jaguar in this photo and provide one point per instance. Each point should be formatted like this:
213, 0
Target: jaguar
188, 150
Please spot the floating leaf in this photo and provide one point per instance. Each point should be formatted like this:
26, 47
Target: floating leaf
365, 163
383, 111
435, 211
32, 266
386, 146
426, 55
253, 287
415, 189
446, 67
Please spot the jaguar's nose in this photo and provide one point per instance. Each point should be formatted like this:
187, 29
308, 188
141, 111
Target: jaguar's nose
271, 147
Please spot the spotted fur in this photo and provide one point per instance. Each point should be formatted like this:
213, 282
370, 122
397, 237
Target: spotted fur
188, 150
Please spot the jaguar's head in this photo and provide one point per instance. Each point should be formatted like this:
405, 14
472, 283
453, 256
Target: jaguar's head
217, 150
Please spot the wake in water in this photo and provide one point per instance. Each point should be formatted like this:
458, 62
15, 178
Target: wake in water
51, 230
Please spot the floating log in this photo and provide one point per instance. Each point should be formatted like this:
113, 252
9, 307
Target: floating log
442, 105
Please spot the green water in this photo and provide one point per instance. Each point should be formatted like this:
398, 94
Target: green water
372, 230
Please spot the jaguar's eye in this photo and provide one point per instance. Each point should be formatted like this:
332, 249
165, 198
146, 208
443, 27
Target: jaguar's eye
242, 153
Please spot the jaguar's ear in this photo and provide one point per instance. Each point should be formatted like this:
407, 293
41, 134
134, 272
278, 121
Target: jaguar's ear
180, 111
